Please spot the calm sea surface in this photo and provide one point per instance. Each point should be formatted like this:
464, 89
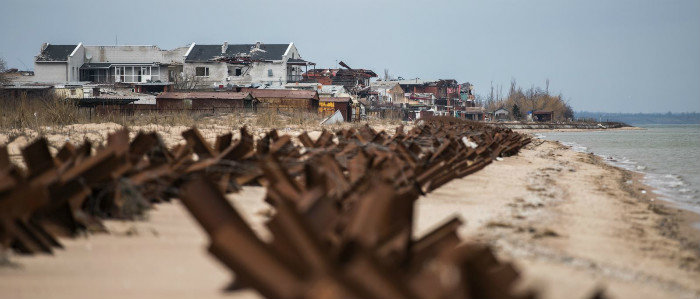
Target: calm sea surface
668, 155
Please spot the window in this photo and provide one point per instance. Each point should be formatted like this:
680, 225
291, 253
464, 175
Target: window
201, 71
235, 71
72, 92
269, 72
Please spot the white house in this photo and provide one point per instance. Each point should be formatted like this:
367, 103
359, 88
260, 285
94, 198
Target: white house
59, 63
501, 114
203, 66
107, 64
244, 64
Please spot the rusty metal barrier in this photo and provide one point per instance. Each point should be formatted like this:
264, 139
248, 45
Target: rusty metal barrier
343, 220
343, 204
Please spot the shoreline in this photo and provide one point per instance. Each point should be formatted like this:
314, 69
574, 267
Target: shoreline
551, 210
526, 130
641, 176
682, 228
561, 213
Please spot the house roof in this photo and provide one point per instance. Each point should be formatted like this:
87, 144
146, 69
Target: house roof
413, 82
56, 53
203, 53
200, 95
284, 93
384, 85
335, 99
25, 86
302, 85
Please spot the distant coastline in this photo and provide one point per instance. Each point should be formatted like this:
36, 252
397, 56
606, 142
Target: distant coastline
642, 118
563, 125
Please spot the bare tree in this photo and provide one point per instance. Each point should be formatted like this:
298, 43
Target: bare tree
186, 82
3, 68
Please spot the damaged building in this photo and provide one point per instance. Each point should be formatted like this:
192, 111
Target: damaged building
193, 66
352, 79
227, 65
108, 64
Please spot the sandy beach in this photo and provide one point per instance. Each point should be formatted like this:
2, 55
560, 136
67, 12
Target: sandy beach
571, 223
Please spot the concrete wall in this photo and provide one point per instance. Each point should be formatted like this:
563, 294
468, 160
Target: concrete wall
292, 52
134, 54
259, 73
256, 72
163, 74
75, 61
217, 73
51, 72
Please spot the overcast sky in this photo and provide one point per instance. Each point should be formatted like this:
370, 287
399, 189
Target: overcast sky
611, 56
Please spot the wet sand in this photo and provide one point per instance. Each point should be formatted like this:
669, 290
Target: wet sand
570, 222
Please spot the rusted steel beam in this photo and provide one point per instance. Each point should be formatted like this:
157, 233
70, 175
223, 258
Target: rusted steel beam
343, 215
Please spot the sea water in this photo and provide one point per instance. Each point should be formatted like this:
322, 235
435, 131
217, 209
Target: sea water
667, 155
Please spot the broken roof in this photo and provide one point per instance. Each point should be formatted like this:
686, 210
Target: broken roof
340, 72
203, 53
208, 95
56, 53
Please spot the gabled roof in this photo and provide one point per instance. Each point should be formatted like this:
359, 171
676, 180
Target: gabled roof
56, 53
200, 95
203, 53
284, 93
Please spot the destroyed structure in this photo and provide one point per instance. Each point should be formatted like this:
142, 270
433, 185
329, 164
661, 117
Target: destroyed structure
237, 76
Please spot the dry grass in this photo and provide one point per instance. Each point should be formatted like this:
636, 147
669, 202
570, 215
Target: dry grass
59, 121
37, 113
